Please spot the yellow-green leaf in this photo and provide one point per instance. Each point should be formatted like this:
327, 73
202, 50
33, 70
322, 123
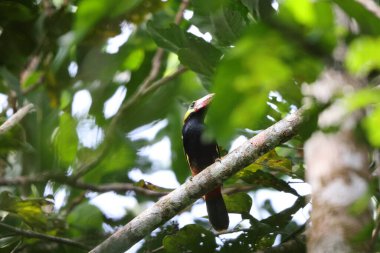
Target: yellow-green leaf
65, 139
363, 55
239, 202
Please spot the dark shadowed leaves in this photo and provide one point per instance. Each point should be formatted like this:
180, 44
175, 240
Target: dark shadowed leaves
190, 49
191, 238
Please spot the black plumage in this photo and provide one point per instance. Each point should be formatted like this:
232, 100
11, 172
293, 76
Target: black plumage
201, 153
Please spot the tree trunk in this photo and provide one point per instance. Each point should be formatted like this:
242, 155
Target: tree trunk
337, 170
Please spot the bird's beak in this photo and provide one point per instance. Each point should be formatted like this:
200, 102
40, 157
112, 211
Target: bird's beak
203, 102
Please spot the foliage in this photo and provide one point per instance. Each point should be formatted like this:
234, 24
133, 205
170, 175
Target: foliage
256, 60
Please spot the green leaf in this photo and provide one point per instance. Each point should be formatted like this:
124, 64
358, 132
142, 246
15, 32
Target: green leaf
226, 22
196, 60
368, 21
260, 178
302, 11
65, 100
31, 211
238, 203
65, 139
120, 157
19, 11
171, 38
91, 12
282, 218
361, 99
32, 79
8, 241
271, 161
134, 59
259, 236
191, 238
85, 218
262, 61
10, 80
191, 50
363, 55
371, 126
154, 240
300, 21
88, 15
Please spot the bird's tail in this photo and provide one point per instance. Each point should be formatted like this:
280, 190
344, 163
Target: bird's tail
216, 209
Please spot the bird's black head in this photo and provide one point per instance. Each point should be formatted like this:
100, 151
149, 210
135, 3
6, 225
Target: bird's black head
198, 107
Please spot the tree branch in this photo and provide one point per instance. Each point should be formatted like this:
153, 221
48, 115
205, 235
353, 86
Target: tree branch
168, 206
15, 118
371, 6
117, 187
32, 234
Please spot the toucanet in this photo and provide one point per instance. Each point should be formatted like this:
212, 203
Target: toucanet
202, 152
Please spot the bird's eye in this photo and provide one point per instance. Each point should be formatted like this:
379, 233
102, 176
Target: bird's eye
192, 104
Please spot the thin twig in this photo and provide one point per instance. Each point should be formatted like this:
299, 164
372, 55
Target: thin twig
117, 187
165, 79
181, 10
371, 6
242, 188
15, 118
83, 169
32, 234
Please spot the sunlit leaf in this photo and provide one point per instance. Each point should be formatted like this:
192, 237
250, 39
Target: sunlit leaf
238, 203
371, 125
65, 139
272, 162
302, 11
65, 100
362, 99
363, 55
262, 61
134, 59
32, 79
31, 211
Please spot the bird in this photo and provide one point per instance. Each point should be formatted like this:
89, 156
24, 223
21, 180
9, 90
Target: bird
200, 153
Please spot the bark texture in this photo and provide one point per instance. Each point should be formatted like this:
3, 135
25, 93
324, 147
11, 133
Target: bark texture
337, 170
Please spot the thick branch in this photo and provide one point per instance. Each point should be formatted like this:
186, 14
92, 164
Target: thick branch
168, 206
32, 234
15, 118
